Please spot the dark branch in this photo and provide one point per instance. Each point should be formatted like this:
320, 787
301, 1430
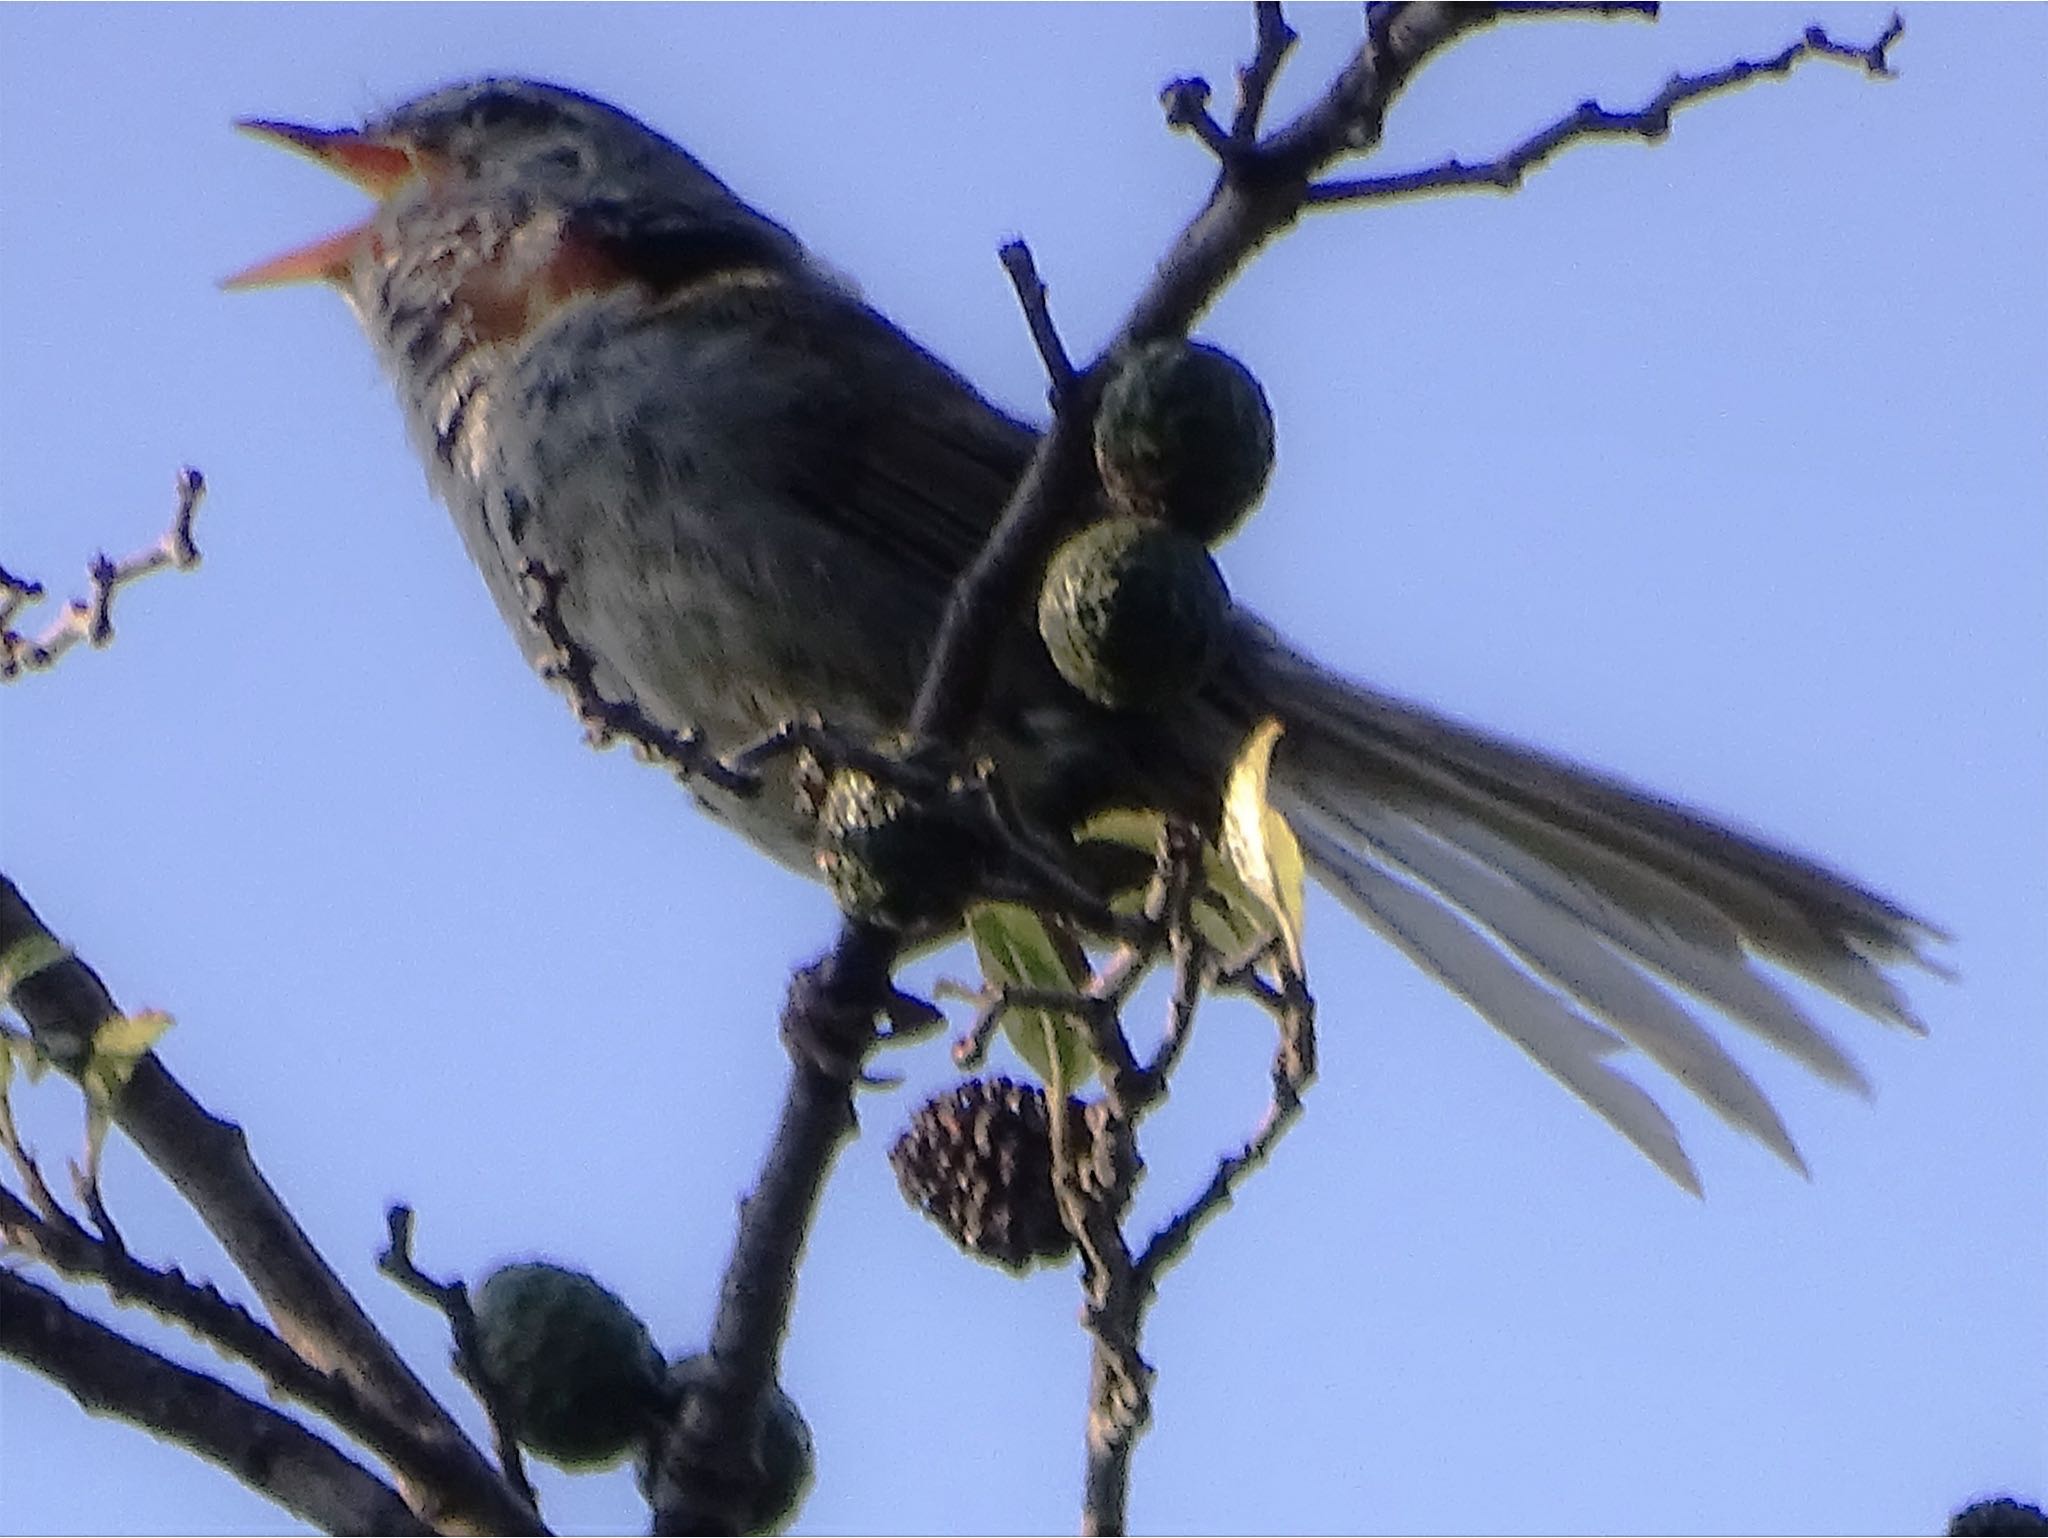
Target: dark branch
452, 1299
574, 671
1650, 122
60, 1243
708, 1471
1294, 1067
1023, 271
108, 1374
1264, 188
1275, 40
207, 1159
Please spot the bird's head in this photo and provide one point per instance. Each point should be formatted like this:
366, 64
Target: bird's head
499, 199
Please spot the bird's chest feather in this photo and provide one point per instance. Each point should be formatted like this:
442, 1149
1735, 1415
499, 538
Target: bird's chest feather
647, 461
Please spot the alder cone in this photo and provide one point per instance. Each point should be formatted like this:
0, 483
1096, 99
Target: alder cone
1134, 613
1184, 434
577, 1370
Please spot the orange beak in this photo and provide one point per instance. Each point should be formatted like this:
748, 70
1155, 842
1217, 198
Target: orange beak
379, 169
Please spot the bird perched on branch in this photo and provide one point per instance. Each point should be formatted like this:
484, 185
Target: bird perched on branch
755, 493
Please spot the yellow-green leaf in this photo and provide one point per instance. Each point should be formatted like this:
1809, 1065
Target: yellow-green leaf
18, 1049
1124, 825
129, 1036
1016, 947
118, 1045
1259, 846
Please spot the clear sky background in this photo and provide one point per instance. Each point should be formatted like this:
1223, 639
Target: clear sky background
1719, 463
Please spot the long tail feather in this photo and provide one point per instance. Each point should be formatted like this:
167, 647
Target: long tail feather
1568, 1045
1575, 960
1544, 893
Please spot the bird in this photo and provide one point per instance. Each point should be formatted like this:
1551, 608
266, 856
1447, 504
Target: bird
756, 491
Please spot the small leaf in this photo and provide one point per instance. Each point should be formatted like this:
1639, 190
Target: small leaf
1123, 825
1016, 946
118, 1045
1260, 847
1226, 915
18, 1049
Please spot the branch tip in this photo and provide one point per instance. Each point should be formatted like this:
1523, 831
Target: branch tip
91, 619
1031, 297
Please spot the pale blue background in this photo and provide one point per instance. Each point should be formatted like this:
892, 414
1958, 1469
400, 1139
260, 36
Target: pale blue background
1719, 463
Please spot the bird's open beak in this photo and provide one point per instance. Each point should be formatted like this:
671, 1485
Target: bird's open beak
379, 169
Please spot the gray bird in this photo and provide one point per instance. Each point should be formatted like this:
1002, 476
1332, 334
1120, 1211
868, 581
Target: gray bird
757, 492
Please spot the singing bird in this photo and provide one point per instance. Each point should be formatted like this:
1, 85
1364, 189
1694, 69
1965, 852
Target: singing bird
756, 492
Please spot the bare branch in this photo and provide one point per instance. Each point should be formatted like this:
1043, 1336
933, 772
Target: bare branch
1023, 270
574, 671
1262, 191
708, 1470
108, 1374
1187, 109
452, 1299
92, 618
1264, 188
207, 1159
1650, 123
60, 1243
1187, 100
1275, 40
1294, 1068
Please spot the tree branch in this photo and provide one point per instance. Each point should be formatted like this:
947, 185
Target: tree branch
271, 1453
452, 1299
207, 1159
1650, 123
65, 1247
709, 1471
1263, 190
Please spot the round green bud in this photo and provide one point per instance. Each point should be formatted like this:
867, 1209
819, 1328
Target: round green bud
576, 1370
1184, 434
1134, 613
890, 860
777, 1470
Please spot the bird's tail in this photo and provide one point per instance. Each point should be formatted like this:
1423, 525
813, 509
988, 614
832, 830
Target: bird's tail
1564, 905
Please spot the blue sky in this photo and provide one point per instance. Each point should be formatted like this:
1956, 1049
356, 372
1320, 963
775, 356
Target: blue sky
1719, 464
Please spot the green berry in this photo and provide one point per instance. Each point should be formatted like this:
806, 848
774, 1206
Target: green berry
773, 1475
889, 859
1184, 434
1133, 613
576, 1369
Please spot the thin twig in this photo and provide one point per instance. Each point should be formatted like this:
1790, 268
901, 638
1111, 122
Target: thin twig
1275, 39
1186, 103
1294, 1068
91, 619
1650, 122
1052, 352
26, 1169
574, 670
452, 1300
